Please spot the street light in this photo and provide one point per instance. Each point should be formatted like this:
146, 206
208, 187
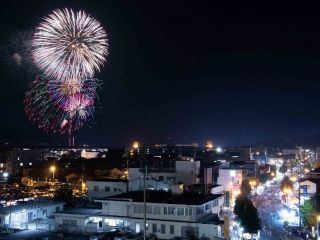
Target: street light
253, 183
135, 145
286, 192
53, 169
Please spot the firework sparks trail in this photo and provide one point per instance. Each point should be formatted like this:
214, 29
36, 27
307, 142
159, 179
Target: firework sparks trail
69, 45
54, 110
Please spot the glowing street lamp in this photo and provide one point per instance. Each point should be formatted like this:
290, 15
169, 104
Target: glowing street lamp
209, 145
135, 145
253, 183
219, 149
293, 178
286, 192
53, 169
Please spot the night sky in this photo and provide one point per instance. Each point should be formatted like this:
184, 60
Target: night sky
180, 72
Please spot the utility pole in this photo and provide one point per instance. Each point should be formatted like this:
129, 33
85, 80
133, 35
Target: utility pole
145, 204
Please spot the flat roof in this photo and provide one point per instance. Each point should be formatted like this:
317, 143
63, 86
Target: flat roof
81, 211
108, 180
211, 219
163, 197
27, 206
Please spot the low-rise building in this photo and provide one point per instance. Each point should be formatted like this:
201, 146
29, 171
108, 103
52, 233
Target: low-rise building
21, 215
167, 215
189, 216
230, 178
106, 188
78, 220
166, 178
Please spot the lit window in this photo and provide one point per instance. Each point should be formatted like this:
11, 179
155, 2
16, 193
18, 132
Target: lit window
21, 164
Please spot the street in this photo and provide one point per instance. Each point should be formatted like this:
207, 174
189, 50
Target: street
269, 205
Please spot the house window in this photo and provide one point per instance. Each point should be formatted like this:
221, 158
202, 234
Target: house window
171, 229
180, 211
73, 222
57, 209
188, 211
149, 209
115, 189
163, 228
140, 209
96, 188
161, 178
171, 210
137, 227
135, 208
165, 210
207, 206
107, 189
154, 228
157, 210
200, 210
65, 221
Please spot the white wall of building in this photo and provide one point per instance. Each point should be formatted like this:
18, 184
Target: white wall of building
163, 211
187, 172
19, 219
311, 187
230, 178
101, 189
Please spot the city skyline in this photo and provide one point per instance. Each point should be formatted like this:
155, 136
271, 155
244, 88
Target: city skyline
180, 72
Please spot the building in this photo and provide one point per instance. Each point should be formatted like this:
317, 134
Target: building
106, 188
167, 215
22, 215
78, 220
308, 187
230, 178
168, 175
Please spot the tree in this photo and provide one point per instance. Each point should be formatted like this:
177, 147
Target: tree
264, 177
247, 214
283, 169
286, 183
245, 187
308, 214
64, 195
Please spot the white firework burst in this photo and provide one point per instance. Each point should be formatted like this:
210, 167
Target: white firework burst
69, 44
